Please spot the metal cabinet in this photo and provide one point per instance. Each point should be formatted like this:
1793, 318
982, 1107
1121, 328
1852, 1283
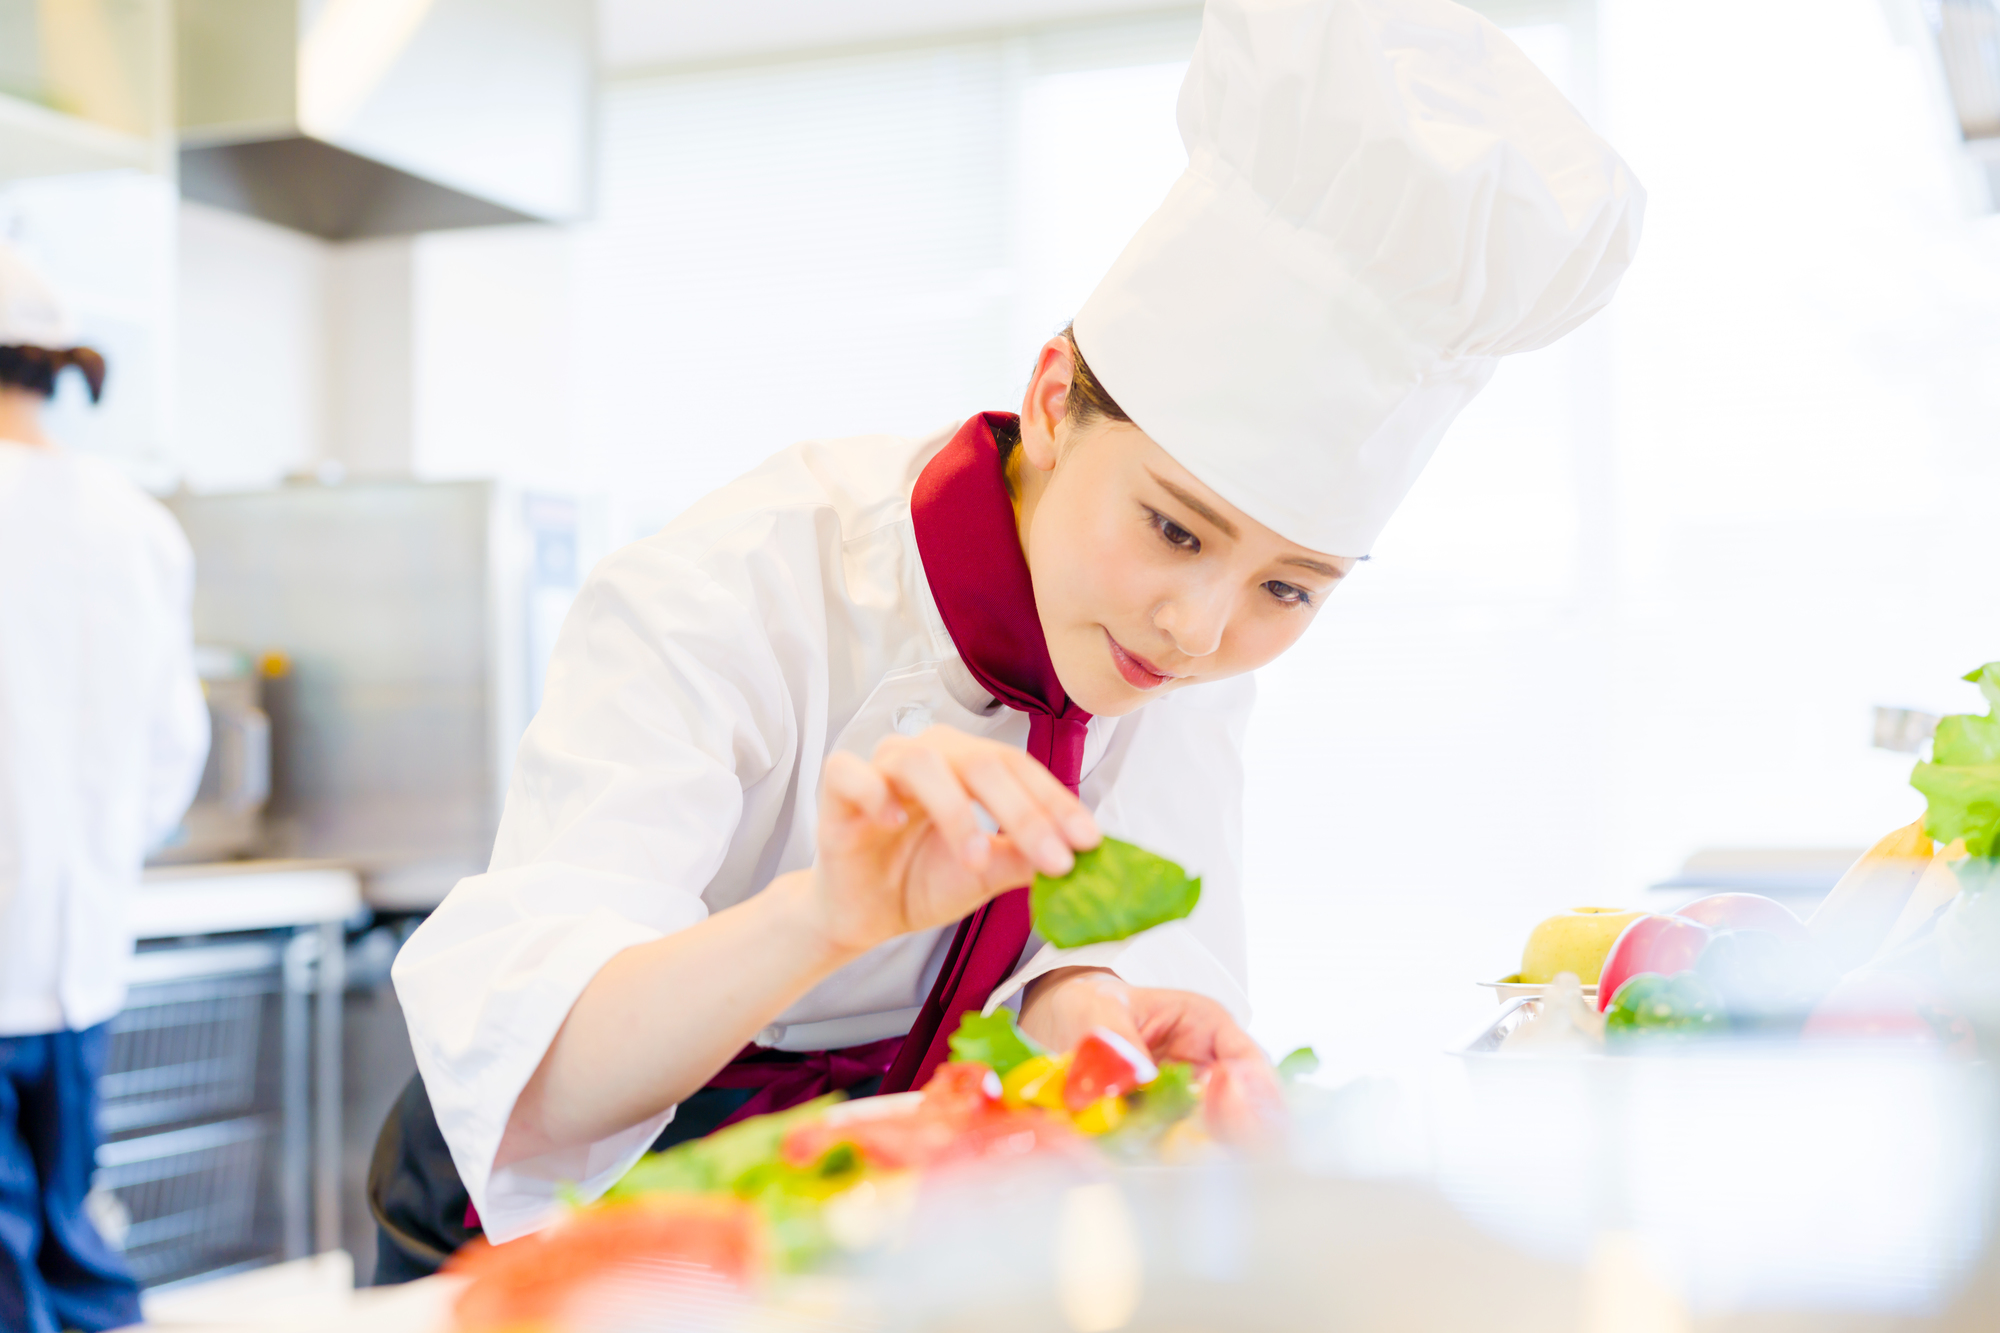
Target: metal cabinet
221, 1096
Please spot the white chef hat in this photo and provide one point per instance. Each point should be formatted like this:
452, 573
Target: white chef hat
32, 314
1382, 198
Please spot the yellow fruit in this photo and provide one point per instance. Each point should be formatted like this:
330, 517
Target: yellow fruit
1936, 887
1101, 1116
1575, 942
1036, 1081
1029, 1073
1863, 908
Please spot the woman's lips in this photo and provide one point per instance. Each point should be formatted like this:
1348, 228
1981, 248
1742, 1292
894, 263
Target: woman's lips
1138, 672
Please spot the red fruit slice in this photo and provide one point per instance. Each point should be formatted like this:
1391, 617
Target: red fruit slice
528, 1283
890, 1143
1103, 1065
962, 1088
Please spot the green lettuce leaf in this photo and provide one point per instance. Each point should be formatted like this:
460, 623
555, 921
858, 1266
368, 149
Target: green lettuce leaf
1987, 678
1961, 780
993, 1040
1964, 803
1299, 1064
1115, 890
1966, 741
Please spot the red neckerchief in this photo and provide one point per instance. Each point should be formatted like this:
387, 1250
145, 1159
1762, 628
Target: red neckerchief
971, 549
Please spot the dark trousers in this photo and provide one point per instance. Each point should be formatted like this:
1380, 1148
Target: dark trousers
56, 1272
419, 1203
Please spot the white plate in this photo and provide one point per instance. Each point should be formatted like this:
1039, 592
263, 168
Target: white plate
1509, 989
872, 1108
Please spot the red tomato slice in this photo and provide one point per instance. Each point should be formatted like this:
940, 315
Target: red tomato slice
962, 1088
529, 1282
1007, 1135
925, 1138
1104, 1065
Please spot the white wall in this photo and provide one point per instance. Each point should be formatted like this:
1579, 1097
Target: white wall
253, 350
500, 364
440, 356
371, 367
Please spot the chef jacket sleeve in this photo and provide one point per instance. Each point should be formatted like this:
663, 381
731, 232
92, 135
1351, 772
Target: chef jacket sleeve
1172, 782
178, 744
664, 702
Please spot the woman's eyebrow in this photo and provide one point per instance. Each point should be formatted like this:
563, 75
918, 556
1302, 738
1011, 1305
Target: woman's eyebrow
1316, 566
1228, 528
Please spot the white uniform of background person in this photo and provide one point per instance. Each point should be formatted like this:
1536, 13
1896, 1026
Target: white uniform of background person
103, 730
103, 733
696, 689
1383, 197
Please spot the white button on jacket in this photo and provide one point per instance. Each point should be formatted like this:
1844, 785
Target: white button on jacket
695, 691
102, 726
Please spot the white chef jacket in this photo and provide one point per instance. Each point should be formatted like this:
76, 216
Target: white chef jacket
696, 688
103, 731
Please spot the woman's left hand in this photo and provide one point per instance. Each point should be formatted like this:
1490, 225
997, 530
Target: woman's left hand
1170, 1024
1244, 1103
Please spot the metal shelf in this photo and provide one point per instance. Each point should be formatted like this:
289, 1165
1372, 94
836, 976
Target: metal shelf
222, 1099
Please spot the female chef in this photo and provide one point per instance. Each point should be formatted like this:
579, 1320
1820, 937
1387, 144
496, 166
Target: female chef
742, 859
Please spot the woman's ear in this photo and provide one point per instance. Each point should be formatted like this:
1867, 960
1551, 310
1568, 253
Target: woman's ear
1046, 404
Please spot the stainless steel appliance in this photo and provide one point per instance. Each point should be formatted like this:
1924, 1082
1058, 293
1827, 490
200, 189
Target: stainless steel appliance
409, 621
225, 820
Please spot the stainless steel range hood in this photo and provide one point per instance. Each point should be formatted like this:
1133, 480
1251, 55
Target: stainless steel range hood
350, 118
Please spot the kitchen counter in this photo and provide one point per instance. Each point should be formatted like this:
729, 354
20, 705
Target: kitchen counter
315, 1295
224, 896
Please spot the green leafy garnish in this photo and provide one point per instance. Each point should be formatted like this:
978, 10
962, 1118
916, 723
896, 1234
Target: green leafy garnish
1170, 1096
1154, 1109
725, 1162
993, 1040
1961, 781
1114, 891
743, 1159
1299, 1064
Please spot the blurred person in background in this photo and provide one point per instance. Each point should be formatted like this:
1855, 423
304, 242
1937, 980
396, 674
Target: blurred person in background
103, 733
742, 860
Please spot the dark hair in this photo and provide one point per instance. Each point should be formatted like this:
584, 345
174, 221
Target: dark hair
35, 368
1088, 402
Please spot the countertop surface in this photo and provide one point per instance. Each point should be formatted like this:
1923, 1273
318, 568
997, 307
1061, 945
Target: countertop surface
210, 899
314, 1295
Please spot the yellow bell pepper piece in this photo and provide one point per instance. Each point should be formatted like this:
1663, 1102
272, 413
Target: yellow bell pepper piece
1030, 1073
1037, 1081
1101, 1116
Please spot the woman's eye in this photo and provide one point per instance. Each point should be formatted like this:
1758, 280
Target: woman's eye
1175, 534
1289, 594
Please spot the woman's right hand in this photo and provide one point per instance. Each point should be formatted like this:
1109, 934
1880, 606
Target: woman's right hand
901, 848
